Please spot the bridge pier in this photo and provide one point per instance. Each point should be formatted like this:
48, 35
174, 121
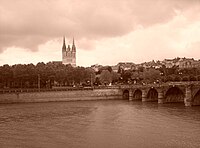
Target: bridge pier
160, 97
188, 96
130, 95
144, 95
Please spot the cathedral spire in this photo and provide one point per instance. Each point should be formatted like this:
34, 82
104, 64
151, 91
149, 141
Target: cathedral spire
64, 46
73, 46
73, 41
68, 48
69, 53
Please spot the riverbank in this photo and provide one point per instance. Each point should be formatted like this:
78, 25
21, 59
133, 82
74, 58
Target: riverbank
61, 95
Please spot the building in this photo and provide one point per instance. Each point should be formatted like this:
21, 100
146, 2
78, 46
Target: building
181, 63
69, 54
126, 65
96, 67
115, 68
196, 63
151, 64
169, 63
186, 63
189, 63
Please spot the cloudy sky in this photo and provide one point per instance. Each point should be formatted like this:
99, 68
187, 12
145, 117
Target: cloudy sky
106, 31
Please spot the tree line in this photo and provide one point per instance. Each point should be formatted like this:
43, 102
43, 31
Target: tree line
45, 75
57, 74
162, 74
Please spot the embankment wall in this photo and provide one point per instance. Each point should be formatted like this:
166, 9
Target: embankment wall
52, 96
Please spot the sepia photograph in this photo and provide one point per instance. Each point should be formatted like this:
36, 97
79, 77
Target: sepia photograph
99, 73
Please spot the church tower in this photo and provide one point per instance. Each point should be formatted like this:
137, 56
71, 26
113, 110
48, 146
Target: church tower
69, 54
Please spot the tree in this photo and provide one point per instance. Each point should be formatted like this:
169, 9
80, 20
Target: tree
109, 68
126, 75
177, 78
170, 71
185, 78
97, 81
120, 70
169, 78
115, 76
140, 69
60, 75
192, 78
105, 77
6, 75
137, 76
27, 76
151, 75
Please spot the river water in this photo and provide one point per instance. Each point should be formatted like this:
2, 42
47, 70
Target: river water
99, 124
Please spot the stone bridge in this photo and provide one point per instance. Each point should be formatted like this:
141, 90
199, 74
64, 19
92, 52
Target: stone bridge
186, 92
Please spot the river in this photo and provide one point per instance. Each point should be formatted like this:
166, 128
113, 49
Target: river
99, 124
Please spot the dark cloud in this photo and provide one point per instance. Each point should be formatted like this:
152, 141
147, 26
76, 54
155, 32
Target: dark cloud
28, 23
22, 41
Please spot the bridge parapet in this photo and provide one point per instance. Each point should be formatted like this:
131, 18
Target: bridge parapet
158, 85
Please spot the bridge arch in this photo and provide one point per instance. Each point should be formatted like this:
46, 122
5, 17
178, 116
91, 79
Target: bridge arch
126, 94
152, 95
196, 98
174, 94
137, 95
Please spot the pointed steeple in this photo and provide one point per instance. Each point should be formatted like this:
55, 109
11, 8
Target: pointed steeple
68, 48
73, 41
73, 46
64, 46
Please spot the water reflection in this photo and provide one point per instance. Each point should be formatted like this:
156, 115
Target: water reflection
99, 124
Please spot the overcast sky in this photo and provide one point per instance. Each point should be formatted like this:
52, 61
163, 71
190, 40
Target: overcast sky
106, 31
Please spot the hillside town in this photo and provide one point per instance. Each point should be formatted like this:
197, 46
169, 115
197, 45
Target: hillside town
180, 63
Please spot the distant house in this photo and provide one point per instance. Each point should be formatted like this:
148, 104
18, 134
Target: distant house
185, 63
115, 68
189, 63
196, 63
151, 64
169, 63
181, 63
96, 67
126, 65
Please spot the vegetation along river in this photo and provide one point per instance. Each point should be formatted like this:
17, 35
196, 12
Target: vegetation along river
99, 124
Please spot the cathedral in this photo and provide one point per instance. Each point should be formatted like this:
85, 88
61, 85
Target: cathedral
69, 54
